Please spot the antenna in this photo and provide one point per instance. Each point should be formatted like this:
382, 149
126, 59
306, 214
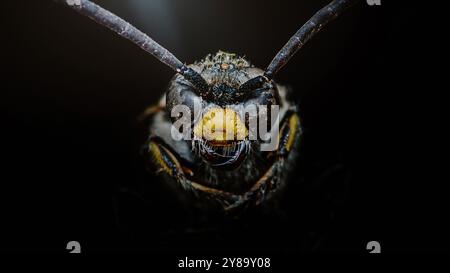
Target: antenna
128, 31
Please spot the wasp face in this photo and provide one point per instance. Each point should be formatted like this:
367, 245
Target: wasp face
220, 153
221, 121
222, 160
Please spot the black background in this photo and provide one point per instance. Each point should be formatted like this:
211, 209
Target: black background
71, 91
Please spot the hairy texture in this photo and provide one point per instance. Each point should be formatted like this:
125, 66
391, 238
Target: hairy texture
224, 68
306, 32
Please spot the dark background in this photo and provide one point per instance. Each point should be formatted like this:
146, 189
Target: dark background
71, 91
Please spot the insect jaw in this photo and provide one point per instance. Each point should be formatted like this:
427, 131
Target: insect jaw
226, 155
220, 138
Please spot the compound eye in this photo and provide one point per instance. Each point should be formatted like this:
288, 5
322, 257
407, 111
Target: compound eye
193, 102
261, 105
261, 96
254, 84
180, 94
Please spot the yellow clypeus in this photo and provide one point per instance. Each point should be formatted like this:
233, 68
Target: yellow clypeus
221, 125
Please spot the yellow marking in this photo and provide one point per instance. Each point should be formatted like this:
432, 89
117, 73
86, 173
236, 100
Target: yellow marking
188, 171
158, 159
264, 179
293, 124
148, 112
210, 190
220, 124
